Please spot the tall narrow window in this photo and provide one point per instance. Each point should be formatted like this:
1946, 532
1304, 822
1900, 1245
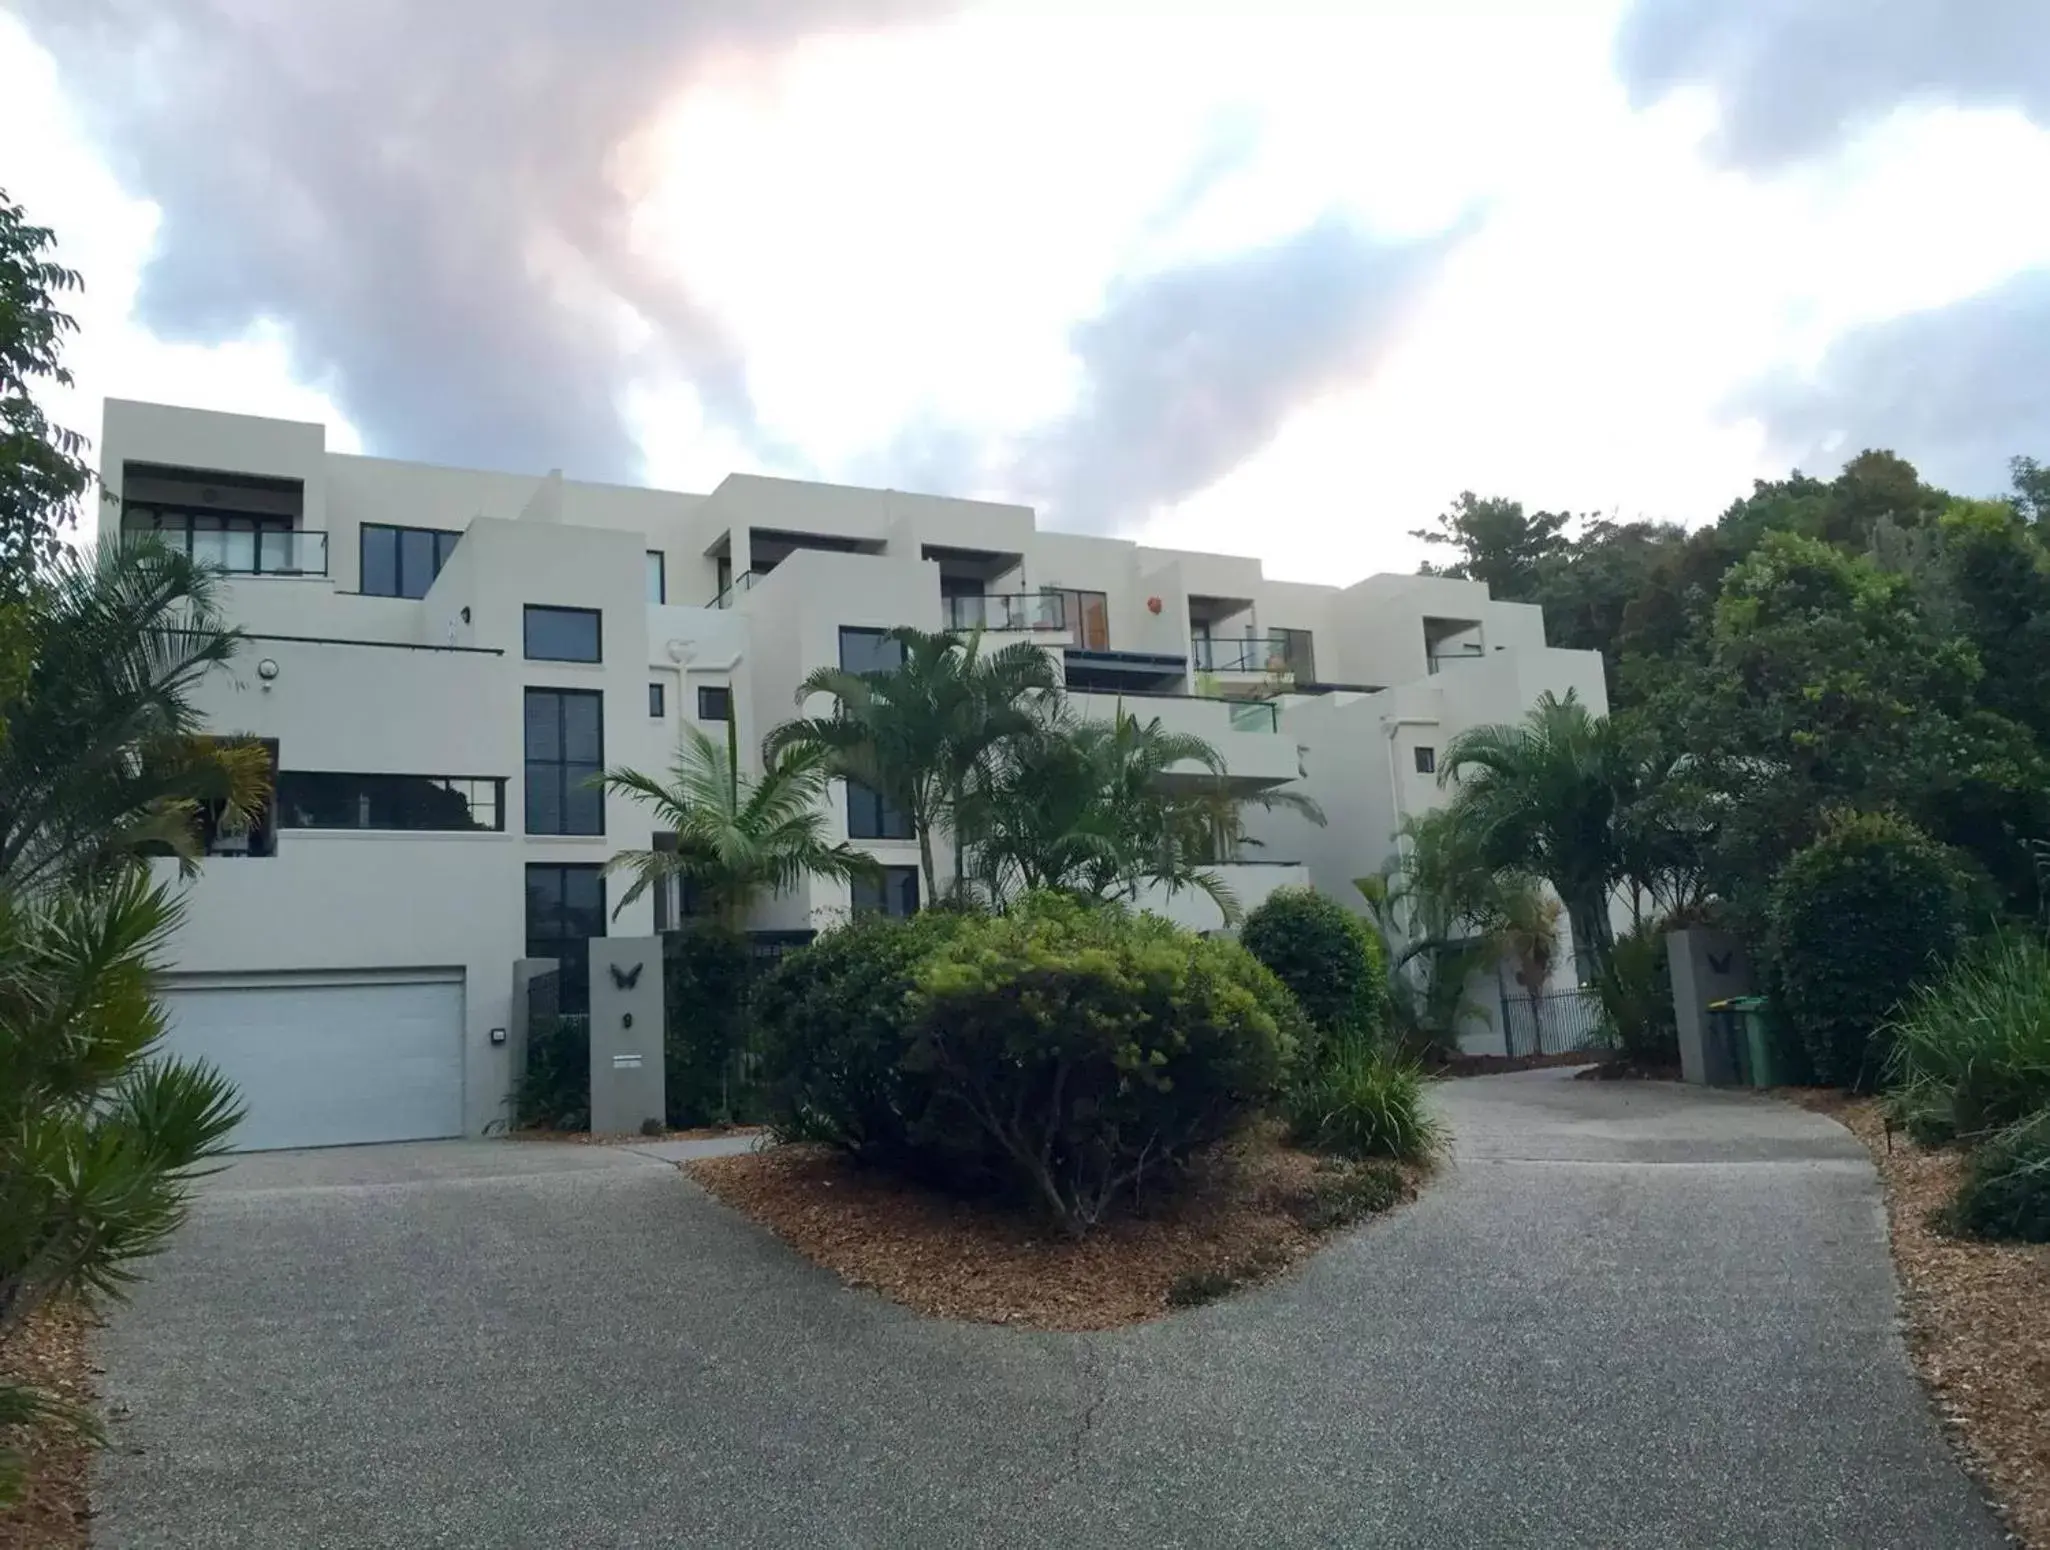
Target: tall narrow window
870, 817
658, 576
565, 909
657, 701
565, 738
1426, 759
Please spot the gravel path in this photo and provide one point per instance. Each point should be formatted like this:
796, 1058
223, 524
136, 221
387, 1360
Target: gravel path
1628, 1315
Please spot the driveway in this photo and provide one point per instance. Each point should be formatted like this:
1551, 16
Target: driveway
1628, 1315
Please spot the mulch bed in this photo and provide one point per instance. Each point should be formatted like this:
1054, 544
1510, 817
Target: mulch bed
585, 1138
1978, 1317
1496, 1065
1624, 1070
50, 1353
1237, 1220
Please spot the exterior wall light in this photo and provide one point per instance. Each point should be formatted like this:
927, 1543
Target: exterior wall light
267, 669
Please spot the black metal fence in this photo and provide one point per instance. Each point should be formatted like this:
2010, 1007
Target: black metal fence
1554, 1023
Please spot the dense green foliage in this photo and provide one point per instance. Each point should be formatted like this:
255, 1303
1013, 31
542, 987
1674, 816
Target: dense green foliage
42, 467
707, 981
1971, 1052
1857, 919
1363, 1101
554, 1088
1328, 958
2006, 1190
1867, 642
1062, 1054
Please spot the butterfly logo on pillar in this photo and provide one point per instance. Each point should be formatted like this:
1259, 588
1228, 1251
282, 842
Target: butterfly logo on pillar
625, 979
1715, 965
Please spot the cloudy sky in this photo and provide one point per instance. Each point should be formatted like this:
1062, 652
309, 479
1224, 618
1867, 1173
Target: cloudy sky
1255, 278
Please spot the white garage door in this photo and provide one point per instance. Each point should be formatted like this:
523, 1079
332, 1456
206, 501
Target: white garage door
330, 1064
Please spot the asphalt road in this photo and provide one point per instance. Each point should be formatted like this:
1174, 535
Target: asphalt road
1628, 1315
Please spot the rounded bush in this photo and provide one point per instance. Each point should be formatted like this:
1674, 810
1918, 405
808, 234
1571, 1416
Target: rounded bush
1327, 956
2006, 1191
831, 1022
1857, 919
1070, 1051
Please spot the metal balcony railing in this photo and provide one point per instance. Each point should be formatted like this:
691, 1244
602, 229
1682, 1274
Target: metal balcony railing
1254, 654
244, 551
729, 593
1017, 612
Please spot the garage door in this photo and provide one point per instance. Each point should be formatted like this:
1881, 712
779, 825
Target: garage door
330, 1063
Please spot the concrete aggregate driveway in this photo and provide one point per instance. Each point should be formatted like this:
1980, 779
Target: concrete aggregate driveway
1627, 1315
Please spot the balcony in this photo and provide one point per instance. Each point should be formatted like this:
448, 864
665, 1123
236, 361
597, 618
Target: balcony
730, 593
1436, 659
251, 550
1254, 654
1006, 612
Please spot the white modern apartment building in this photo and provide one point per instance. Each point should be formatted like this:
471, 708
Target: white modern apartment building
441, 658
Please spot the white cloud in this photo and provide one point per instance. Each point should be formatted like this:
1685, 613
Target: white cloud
901, 230
105, 235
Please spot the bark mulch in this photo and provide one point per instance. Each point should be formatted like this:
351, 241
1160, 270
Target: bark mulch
1978, 1317
1496, 1065
585, 1138
1239, 1218
49, 1353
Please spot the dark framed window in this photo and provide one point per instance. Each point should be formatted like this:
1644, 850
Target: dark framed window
658, 576
565, 738
869, 651
328, 799
565, 909
563, 634
1426, 760
870, 817
402, 561
658, 701
895, 894
715, 702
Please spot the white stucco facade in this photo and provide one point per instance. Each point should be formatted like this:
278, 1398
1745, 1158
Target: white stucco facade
1328, 690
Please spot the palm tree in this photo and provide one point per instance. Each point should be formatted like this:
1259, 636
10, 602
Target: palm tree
917, 735
1549, 797
737, 836
101, 760
1106, 807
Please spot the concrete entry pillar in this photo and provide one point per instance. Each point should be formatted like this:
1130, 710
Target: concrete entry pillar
626, 1034
1707, 966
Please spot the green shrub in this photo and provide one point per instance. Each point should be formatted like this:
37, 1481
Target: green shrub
1363, 1102
2006, 1191
1069, 1051
831, 1023
1857, 919
706, 971
1636, 990
1971, 1052
1326, 955
554, 1091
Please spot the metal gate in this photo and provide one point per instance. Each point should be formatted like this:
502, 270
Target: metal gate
1555, 1023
